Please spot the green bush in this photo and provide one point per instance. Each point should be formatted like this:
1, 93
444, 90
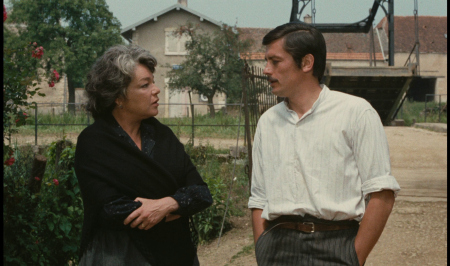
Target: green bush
45, 228
415, 111
209, 221
42, 228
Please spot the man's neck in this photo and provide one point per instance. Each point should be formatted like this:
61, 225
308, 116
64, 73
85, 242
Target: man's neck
304, 98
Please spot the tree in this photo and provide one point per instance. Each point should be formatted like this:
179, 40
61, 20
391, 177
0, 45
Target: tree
74, 33
212, 65
20, 76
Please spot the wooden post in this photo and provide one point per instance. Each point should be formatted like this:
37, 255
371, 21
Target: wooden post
38, 171
247, 126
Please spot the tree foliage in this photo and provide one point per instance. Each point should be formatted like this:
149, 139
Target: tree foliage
20, 77
212, 65
73, 32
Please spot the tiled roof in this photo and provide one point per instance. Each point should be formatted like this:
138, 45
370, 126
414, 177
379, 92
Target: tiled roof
256, 35
340, 46
432, 33
330, 56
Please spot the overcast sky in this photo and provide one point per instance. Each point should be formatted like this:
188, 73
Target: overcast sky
271, 13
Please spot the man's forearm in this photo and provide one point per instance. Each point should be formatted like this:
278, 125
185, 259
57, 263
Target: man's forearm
373, 222
258, 223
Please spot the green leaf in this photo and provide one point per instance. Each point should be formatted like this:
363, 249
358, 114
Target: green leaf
50, 225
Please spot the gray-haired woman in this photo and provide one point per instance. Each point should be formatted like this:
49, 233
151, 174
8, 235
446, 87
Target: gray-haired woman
139, 187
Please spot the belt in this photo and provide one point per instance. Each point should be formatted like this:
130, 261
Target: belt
310, 227
311, 224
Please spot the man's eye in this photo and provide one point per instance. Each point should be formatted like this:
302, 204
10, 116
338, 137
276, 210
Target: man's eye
145, 85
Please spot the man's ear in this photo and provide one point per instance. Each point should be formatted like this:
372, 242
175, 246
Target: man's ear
308, 63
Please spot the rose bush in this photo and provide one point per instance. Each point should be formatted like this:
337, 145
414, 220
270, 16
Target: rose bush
21, 61
41, 228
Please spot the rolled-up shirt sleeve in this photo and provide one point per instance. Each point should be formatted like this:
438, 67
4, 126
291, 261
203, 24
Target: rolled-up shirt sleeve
257, 198
371, 152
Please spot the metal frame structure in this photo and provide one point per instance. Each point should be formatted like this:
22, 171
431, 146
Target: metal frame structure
362, 26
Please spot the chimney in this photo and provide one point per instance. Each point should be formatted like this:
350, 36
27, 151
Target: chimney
307, 19
182, 2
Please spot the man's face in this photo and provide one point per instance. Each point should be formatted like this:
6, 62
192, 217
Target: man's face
283, 74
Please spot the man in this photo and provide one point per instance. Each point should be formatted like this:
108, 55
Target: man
322, 189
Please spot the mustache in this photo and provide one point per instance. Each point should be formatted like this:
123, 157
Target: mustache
270, 79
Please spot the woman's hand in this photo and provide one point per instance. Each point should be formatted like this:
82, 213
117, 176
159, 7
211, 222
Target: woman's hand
151, 212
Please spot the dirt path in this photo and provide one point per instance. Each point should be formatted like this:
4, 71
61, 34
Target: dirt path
416, 232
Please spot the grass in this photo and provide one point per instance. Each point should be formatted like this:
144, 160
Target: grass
415, 111
221, 126
246, 250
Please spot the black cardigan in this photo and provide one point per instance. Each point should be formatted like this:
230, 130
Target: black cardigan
108, 168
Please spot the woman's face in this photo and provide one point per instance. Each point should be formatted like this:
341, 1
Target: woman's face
142, 95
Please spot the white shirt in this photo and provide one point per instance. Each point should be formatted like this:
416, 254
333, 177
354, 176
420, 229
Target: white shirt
324, 164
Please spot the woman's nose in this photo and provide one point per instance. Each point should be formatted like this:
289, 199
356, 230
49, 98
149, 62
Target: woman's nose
156, 90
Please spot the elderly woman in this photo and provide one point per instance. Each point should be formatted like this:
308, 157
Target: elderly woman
139, 187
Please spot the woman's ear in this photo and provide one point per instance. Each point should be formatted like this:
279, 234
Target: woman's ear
308, 63
119, 102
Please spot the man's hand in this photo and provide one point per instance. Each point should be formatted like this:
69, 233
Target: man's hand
152, 212
373, 222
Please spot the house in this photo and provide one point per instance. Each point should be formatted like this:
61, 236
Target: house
343, 49
432, 33
155, 34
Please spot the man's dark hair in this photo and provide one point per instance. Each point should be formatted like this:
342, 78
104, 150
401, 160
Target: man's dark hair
301, 39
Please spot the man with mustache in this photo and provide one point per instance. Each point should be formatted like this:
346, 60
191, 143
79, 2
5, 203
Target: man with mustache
322, 188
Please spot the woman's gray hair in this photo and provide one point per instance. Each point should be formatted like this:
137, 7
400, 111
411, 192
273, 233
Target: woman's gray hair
111, 74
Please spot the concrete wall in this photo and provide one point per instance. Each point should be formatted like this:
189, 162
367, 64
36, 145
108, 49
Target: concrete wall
434, 65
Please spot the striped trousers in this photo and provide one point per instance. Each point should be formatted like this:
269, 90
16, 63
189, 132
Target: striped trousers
280, 246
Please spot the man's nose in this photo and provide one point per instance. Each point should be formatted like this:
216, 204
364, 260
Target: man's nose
267, 71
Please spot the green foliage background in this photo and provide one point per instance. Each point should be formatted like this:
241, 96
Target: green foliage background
73, 33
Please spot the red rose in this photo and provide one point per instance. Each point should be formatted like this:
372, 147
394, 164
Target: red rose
5, 16
10, 161
51, 84
55, 181
38, 52
17, 120
56, 75
37, 178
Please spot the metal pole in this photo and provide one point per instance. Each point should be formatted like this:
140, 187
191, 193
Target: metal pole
192, 111
64, 98
416, 21
35, 124
391, 32
439, 110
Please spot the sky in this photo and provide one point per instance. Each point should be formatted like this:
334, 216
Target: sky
272, 13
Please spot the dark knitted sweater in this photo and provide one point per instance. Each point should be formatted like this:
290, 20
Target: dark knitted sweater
108, 168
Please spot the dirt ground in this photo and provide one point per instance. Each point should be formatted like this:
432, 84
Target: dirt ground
416, 232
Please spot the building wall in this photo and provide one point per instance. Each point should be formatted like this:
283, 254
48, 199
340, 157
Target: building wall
434, 65
54, 97
151, 36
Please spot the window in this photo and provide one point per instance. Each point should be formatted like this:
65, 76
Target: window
175, 44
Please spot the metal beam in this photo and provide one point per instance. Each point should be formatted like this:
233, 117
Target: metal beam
360, 26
